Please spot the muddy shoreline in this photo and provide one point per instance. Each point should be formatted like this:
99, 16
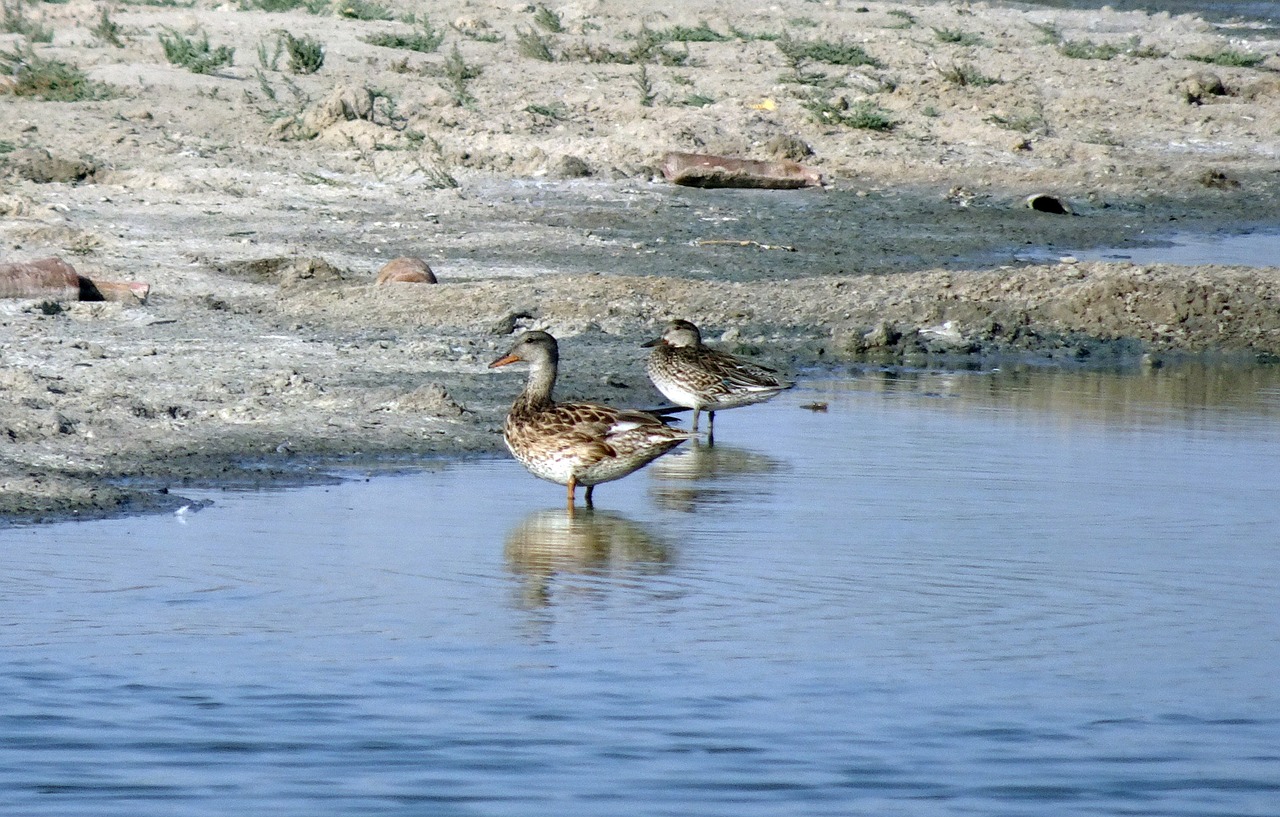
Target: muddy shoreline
259, 204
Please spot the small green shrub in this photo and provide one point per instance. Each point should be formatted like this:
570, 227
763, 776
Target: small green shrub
798, 52
1231, 59
862, 115
107, 30
50, 80
548, 20
1089, 50
535, 46
907, 18
645, 86
966, 76
955, 36
425, 40
458, 76
363, 10
197, 56
14, 21
306, 54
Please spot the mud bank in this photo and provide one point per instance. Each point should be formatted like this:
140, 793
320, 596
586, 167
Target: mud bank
264, 351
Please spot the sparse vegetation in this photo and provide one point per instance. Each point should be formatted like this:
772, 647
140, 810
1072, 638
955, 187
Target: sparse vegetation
273, 5
50, 80
697, 100
13, 20
306, 54
197, 56
533, 45
1050, 34
1088, 50
954, 36
1021, 122
548, 20
554, 112
861, 115
798, 52
701, 33
645, 86
967, 76
364, 10
107, 30
425, 40
458, 76
905, 18
1230, 58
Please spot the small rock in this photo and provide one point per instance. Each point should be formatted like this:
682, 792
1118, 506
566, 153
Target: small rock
405, 271
1043, 203
1199, 86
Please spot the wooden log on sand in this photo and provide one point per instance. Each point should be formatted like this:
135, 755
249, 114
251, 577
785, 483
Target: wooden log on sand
704, 170
56, 280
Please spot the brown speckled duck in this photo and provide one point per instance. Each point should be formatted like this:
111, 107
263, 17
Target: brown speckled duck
576, 444
691, 374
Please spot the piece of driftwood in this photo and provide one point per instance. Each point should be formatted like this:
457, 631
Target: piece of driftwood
405, 271
704, 170
56, 280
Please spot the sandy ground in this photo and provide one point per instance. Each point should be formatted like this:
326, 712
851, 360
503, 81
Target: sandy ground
259, 204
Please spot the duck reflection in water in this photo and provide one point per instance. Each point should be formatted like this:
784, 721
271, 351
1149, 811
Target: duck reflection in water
580, 553
705, 474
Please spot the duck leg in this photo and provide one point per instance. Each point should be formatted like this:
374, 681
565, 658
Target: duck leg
696, 412
711, 428
573, 487
590, 488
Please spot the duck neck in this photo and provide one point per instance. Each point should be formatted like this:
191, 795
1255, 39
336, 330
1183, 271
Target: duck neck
537, 390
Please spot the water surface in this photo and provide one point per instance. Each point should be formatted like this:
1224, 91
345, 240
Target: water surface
992, 593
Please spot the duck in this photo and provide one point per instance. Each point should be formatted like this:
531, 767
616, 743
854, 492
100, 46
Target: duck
576, 443
693, 375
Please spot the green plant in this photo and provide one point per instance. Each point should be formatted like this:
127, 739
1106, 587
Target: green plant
272, 5
645, 86
197, 56
425, 40
555, 112
955, 36
458, 75
966, 76
747, 36
701, 33
1229, 58
1022, 122
14, 21
697, 100
50, 80
798, 52
862, 115
363, 10
1050, 34
107, 30
7, 147
1088, 50
907, 18
548, 20
270, 59
438, 176
535, 46
306, 55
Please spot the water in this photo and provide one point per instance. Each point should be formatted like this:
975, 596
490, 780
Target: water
1260, 248
999, 593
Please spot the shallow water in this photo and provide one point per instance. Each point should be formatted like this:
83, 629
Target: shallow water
1247, 249
992, 593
